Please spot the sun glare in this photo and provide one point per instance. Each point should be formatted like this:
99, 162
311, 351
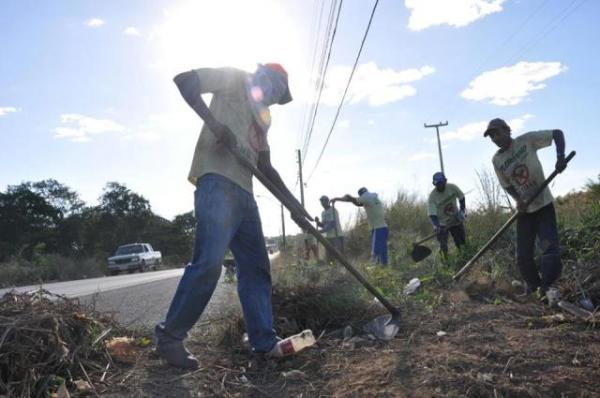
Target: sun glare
237, 33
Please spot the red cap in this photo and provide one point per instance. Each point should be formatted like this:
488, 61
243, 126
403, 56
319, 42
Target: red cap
287, 96
278, 68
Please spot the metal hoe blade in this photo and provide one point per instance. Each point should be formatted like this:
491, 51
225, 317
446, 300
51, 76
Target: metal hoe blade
420, 253
384, 327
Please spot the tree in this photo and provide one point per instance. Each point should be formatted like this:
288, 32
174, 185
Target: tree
118, 200
26, 219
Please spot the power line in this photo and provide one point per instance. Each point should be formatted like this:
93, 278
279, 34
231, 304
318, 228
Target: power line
337, 113
495, 50
317, 35
322, 83
535, 39
560, 17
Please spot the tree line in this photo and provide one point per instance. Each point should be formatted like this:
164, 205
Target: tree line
48, 217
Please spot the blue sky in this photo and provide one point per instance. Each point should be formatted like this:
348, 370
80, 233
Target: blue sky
86, 95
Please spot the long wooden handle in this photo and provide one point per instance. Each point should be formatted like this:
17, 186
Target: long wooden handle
507, 224
307, 226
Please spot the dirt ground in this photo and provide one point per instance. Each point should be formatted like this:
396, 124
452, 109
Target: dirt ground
469, 346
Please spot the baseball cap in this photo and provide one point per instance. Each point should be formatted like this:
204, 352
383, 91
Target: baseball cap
496, 124
362, 190
287, 96
439, 177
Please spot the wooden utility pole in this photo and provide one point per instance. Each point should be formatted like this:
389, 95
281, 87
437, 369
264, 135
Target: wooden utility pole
437, 131
300, 177
283, 229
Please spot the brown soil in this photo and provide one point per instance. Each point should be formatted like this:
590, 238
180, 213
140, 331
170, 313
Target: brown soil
492, 348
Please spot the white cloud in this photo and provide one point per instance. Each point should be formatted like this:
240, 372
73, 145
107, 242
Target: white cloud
377, 86
474, 130
421, 156
7, 109
344, 124
371, 122
511, 84
457, 13
132, 31
79, 128
95, 22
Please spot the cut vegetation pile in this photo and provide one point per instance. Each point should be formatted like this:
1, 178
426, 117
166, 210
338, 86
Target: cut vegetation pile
47, 341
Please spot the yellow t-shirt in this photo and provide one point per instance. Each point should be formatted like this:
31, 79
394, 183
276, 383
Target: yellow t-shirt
374, 209
230, 105
443, 204
519, 167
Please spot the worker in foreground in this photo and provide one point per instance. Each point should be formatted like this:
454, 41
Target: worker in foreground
445, 216
329, 224
225, 209
376, 219
520, 173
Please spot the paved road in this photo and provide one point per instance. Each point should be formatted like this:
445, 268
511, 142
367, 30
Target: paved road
85, 287
138, 300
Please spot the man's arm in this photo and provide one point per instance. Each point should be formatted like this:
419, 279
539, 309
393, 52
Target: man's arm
347, 198
189, 86
559, 141
265, 166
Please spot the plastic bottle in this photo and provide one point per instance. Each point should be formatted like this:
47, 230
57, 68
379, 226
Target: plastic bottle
295, 343
412, 286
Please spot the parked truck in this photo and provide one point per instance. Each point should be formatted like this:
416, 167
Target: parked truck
134, 257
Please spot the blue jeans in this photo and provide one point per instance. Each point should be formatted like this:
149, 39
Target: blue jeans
379, 251
540, 224
226, 216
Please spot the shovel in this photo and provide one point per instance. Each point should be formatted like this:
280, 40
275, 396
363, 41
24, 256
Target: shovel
384, 327
420, 252
585, 302
507, 224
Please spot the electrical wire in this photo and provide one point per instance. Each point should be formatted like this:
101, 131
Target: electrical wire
337, 114
322, 78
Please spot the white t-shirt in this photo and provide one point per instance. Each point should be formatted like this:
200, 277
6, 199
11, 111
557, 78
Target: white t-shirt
329, 215
519, 167
374, 209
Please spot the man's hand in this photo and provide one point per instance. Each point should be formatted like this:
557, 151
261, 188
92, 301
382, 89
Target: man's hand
347, 196
561, 163
317, 220
438, 229
225, 136
521, 206
461, 216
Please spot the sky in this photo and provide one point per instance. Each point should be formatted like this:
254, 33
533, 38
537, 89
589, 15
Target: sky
86, 92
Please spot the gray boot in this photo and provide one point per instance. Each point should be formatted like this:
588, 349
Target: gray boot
172, 350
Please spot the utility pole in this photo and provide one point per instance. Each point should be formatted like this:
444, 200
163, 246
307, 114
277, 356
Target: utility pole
300, 177
437, 130
283, 229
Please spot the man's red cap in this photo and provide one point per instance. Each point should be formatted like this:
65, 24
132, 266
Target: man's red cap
287, 96
278, 68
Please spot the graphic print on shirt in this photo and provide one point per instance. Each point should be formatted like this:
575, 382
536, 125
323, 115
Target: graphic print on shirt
449, 208
520, 174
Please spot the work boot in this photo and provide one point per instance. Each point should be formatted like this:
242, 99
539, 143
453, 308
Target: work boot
173, 351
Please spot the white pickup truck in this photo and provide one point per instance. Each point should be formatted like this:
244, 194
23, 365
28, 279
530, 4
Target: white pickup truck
134, 257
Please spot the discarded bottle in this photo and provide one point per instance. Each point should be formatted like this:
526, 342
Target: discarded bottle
296, 343
412, 286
